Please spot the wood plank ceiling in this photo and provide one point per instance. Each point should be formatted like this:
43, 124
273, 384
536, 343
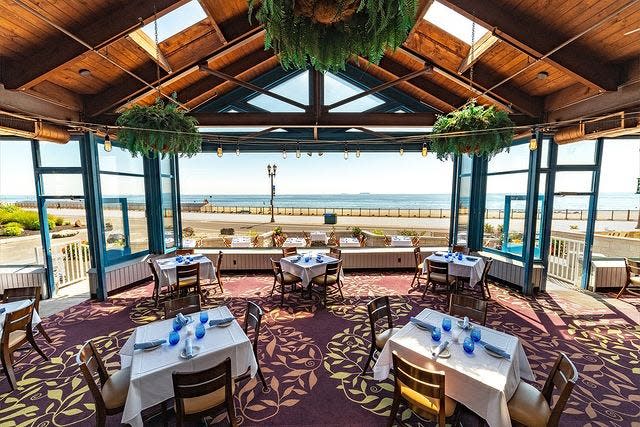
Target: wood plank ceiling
39, 59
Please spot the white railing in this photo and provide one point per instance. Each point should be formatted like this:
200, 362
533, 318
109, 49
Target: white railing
565, 259
71, 263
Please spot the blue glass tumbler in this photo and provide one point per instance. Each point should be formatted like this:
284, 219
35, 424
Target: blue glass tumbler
200, 331
436, 333
176, 324
204, 317
476, 334
174, 338
446, 324
468, 345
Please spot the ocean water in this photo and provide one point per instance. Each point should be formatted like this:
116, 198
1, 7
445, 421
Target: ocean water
606, 201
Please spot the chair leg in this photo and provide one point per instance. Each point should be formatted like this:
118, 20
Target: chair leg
7, 368
624, 287
273, 288
415, 276
33, 343
394, 411
281, 295
426, 287
43, 332
340, 290
366, 365
231, 412
265, 388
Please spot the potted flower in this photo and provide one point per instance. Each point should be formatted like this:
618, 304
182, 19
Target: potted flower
160, 128
474, 129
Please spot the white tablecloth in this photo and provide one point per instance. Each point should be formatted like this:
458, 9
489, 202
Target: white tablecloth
294, 242
151, 371
167, 269
349, 242
306, 270
479, 381
404, 241
241, 242
17, 305
319, 236
461, 268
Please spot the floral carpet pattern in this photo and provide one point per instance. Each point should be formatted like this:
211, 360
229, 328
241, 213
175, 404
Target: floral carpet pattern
312, 355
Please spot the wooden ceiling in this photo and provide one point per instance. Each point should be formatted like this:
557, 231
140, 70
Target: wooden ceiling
45, 44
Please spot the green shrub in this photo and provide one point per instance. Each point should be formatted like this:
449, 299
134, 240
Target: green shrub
489, 229
13, 229
227, 231
59, 221
407, 232
356, 231
377, 232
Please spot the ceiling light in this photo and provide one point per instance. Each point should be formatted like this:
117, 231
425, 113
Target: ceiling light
542, 75
84, 72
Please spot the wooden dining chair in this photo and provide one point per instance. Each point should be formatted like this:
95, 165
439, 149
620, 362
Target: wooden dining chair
156, 281
379, 309
289, 251
419, 273
438, 275
17, 331
633, 278
473, 308
184, 252
206, 393
110, 394
218, 278
423, 391
185, 305
484, 280
530, 407
252, 322
188, 278
460, 248
330, 278
20, 294
283, 279
335, 253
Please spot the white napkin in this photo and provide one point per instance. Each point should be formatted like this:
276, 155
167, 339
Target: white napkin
465, 323
442, 347
183, 320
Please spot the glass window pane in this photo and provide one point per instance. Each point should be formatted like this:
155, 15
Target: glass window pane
573, 182
165, 166
577, 153
544, 153
516, 159
167, 212
119, 160
60, 155
466, 164
463, 210
505, 211
62, 184
336, 89
296, 88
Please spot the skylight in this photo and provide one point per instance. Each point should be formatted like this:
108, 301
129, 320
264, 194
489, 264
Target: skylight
336, 89
175, 21
296, 88
453, 23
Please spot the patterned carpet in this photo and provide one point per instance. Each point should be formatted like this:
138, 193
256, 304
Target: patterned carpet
311, 356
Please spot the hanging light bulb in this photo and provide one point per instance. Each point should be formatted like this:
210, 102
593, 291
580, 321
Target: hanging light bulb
358, 151
346, 152
107, 141
401, 150
284, 152
237, 149
533, 142
219, 150
298, 154
424, 149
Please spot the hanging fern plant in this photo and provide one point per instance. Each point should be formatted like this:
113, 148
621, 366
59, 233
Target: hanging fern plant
483, 131
327, 33
160, 128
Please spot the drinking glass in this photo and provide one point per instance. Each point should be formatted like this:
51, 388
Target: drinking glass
176, 325
200, 331
446, 324
436, 333
476, 334
174, 338
204, 317
468, 345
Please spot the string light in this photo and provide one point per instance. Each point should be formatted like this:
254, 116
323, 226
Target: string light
346, 152
237, 149
107, 141
358, 151
533, 142
401, 150
424, 149
219, 150
298, 154
284, 152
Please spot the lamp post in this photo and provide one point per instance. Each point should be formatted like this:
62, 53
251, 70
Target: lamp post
271, 170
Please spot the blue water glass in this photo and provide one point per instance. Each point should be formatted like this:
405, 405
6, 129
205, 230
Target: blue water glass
468, 345
436, 333
446, 324
204, 317
476, 334
460, 256
200, 331
176, 324
189, 258
174, 338
179, 258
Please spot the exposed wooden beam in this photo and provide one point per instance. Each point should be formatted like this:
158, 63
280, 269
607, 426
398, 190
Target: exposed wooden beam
423, 7
149, 46
535, 38
58, 95
207, 7
22, 102
133, 92
61, 51
480, 47
569, 96
408, 76
206, 69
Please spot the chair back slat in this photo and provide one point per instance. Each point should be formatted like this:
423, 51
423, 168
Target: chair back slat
154, 272
188, 271
437, 267
334, 268
428, 383
460, 248
562, 379
335, 253
219, 263
417, 255
277, 270
379, 308
19, 294
91, 364
195, 384
473, 308
486, 269
289, 251
185, 305
184, 252
633, 267
17, 320
253, 320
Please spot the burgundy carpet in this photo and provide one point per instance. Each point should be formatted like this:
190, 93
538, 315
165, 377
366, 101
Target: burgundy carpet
311, 356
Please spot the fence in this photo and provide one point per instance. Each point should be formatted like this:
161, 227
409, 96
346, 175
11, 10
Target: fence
565, 259
71, 263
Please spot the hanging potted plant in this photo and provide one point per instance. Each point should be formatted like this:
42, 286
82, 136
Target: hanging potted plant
160, 128
327, 33
474, 129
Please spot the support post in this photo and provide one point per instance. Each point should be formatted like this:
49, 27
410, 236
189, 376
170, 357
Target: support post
591, 220
530, 215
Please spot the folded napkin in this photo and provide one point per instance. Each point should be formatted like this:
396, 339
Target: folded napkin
148, 344
422, 323
216, 322
438, 253
2, 310
188, 347
496, 350
442, 347
182, 320
471, 258
465, 323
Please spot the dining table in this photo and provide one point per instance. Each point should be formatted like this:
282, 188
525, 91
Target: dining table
17, 305
401, 241
166, 268
482, 382
294, 242
151, 382
466, 266
241, 242
349, 242
306, 266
